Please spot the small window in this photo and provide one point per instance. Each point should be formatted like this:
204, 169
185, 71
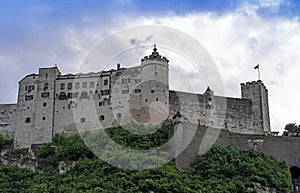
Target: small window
26, 88
146, 100
46, 75
156, 74
105, 92
82, 119
101, 118
84, 85
27, 120
125, 91
28, 97
156, 99
46, 86
137, 80
62, 86
84, 95
62, 96
92, 84
44, 118
137, 90
119, 115
45, 94
101, 104
44, 104
70, 85
105, 82
72, 95
152, 91
77, 85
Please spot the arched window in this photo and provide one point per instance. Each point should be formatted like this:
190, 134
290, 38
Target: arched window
91, 95
101, 118
62, 96
82, 119
27, 120
84, 95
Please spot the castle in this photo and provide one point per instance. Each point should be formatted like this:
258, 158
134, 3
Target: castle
52, 103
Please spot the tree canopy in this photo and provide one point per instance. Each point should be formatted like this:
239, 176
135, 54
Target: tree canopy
221, 170
292, 129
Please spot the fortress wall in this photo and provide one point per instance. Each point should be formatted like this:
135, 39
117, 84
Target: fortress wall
281, 147
7, 117
230, 113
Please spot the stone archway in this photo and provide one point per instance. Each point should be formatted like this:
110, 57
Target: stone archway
295, 173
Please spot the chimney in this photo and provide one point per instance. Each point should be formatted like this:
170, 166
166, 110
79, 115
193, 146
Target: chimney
118, 66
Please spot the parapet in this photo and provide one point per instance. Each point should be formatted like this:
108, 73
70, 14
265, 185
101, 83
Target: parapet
254, 83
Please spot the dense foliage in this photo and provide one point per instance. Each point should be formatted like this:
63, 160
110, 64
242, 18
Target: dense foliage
292, 128
224, 170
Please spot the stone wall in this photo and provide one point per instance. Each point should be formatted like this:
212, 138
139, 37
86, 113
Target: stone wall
281, 147
7, 117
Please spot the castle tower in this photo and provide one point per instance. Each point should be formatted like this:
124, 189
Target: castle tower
258, 94
155, 86
35, 108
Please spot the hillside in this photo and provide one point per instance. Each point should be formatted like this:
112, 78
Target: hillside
219, 170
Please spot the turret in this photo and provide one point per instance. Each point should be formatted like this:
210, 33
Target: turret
155, 86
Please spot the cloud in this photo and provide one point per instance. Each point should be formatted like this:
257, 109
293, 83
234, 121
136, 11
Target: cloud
236, 39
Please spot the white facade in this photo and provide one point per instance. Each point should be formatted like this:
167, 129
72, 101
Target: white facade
51, 103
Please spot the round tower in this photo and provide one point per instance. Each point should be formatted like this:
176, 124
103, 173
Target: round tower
155, 86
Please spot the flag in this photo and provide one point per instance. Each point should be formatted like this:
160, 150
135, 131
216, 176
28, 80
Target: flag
256, 67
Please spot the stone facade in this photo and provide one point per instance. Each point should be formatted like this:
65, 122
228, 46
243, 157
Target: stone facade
52, 103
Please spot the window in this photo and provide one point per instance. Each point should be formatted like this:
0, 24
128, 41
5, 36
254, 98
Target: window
101, 104
45, 94
137, 90
62, 86
137, 80
27, 120
84, 95
128, 80
84, 85
30, 88
101, 118
72, 95
92, 84
77, 85
152, 91
105, 82
156, 99
26, 88
28, 97
70, 86
46, 86
105, 92
146, 100
124, 81
125, 91
44, 104
44, 118
82, 119
155, 74
62, 96
119, 115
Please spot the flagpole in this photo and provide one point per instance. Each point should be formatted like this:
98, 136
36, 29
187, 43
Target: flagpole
258, 73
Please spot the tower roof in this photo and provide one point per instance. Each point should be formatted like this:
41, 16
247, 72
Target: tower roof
155, 56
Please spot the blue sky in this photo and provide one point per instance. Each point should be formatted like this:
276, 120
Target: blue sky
238, 34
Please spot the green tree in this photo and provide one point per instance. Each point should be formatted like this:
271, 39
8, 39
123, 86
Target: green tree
292, 128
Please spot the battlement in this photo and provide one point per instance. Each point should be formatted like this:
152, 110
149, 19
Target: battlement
258, 82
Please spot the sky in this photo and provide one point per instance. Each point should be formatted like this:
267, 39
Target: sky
237, 34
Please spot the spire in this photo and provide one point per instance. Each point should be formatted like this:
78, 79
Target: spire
155, 53
208, 89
